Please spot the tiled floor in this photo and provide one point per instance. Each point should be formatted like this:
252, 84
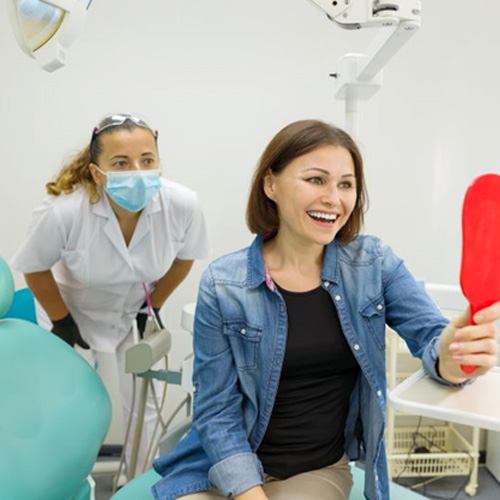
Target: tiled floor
442, 489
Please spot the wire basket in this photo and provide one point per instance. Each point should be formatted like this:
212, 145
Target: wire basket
432, 451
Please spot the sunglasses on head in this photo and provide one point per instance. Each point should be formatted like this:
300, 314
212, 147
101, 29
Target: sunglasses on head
120, 119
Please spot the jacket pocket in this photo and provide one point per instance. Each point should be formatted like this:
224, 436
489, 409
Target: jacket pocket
244, 339
374, 317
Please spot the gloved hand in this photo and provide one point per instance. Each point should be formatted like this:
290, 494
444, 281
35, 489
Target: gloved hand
66, 329
142, 317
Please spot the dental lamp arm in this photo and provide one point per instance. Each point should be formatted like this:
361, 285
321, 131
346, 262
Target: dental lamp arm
359, 75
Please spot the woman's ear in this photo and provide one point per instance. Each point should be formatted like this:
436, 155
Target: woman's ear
97, 177
269, 185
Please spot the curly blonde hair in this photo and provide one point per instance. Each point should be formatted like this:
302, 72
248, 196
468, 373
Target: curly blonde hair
76, 173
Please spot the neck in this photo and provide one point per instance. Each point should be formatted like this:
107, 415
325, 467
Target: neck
285, 252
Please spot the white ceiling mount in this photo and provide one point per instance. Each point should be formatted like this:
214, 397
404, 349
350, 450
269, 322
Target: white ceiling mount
359, 76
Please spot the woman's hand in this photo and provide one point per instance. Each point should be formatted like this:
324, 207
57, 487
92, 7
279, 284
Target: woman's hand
465, 344
66, 329
255, 493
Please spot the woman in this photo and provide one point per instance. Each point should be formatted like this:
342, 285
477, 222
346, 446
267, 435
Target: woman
111, 232
289, 370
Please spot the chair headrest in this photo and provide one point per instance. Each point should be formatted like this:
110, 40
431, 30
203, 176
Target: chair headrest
6, 287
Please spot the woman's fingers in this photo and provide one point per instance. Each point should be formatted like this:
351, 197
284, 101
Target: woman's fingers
475, 332
482, 360
475, 345
489, 314
487, 346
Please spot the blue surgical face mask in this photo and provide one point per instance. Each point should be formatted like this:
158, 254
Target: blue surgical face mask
132, 189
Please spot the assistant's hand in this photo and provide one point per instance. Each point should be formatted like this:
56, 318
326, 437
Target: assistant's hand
465, 344
142, 317
67, 330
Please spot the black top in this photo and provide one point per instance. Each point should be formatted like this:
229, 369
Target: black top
306, 429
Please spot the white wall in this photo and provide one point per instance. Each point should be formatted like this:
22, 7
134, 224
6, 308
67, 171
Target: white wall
219, 78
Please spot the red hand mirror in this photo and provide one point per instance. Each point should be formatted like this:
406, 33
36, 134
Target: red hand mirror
480, 271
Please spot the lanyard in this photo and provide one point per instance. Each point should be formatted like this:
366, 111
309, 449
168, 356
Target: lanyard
148, 300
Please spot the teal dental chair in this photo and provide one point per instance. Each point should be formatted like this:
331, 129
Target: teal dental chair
55, 411
23, 306
140, 488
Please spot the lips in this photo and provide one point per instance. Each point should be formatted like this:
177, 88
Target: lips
324, 217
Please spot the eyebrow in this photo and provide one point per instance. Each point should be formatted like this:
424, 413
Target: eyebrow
326, 171
126, 157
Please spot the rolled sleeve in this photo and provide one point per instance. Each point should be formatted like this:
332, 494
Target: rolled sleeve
429, 360
237, 474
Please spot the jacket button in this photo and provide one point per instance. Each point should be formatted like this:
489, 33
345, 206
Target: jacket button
356, 347
338, 297
380, 307
379, 394
243, 331
326, 284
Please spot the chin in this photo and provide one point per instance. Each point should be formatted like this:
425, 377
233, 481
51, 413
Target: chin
325, 239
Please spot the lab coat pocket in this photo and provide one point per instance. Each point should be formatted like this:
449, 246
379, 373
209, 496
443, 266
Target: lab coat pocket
77, 264
244, 339
374, 317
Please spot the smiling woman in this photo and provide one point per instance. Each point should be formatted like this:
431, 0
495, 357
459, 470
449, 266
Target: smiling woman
322, 156
315, 194
289, 366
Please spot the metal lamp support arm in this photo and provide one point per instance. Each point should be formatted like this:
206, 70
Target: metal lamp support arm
359, 76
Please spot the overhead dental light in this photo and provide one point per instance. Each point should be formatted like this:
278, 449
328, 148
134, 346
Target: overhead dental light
359, 76
45, 29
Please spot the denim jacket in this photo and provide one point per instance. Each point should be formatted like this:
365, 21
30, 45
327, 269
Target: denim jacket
240, 333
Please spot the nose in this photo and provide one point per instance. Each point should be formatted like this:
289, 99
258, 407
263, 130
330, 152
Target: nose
331, 196
136, 164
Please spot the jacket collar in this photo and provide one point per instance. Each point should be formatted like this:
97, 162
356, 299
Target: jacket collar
257, 272
256, 267
330, 267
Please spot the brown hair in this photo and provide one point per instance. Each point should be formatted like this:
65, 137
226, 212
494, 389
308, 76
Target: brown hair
297, 139
76, 172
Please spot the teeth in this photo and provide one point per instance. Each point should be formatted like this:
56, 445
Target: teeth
322, 215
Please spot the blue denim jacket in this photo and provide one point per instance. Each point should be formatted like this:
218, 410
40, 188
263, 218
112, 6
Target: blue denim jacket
240, 334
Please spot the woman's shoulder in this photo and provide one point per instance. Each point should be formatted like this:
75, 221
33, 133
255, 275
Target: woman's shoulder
65, 204
231, 267
58, 212
178, 195
363, 248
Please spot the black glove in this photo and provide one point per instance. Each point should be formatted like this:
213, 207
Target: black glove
142, 318
66, 329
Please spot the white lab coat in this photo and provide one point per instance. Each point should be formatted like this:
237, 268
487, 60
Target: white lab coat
99, 277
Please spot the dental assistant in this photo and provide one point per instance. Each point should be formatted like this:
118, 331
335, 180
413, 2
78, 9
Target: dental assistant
289, 337
111, 231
